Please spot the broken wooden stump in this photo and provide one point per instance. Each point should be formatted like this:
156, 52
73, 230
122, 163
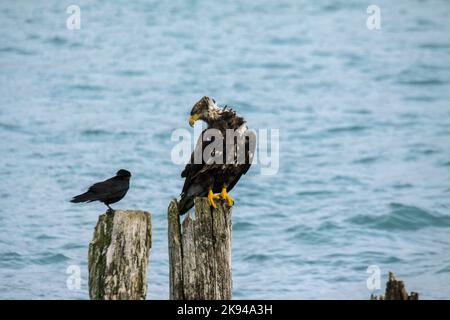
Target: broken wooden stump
395, 290
118, 256
200, 252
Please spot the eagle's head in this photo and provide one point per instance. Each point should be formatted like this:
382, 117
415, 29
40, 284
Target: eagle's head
205, 109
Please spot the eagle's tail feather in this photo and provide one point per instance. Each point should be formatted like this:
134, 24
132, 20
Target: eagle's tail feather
185, 204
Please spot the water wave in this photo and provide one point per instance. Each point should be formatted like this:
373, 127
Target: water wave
402, 217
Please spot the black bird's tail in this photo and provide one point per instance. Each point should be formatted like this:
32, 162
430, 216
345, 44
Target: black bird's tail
87, 196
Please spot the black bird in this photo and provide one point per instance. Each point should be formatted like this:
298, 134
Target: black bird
213, 179
108, 191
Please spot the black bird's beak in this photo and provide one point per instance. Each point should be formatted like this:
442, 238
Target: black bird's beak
193, 118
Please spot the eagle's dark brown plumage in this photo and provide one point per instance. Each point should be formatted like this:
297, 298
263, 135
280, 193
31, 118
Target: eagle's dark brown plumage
204, 177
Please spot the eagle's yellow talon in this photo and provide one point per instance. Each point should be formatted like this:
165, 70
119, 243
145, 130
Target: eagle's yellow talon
225, 196
211, 198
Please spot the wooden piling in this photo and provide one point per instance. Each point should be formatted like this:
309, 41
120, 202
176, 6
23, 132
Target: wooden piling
200, 252
118, 256
395, 290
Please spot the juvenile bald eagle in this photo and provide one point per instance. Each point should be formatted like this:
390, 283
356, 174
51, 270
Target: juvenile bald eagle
206, 174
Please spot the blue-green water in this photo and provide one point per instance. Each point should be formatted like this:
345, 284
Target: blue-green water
364, 120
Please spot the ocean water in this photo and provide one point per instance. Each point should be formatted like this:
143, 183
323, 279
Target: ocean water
363, 116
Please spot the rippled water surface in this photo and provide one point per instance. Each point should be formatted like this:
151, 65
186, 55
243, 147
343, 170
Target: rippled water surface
364, 117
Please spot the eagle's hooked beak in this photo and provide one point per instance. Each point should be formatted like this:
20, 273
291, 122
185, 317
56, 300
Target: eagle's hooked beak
193, 118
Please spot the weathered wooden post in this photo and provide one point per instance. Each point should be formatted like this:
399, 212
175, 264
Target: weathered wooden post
395, 290
200, 252
118, 256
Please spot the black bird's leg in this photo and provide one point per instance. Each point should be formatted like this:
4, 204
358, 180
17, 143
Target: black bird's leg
110, 210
